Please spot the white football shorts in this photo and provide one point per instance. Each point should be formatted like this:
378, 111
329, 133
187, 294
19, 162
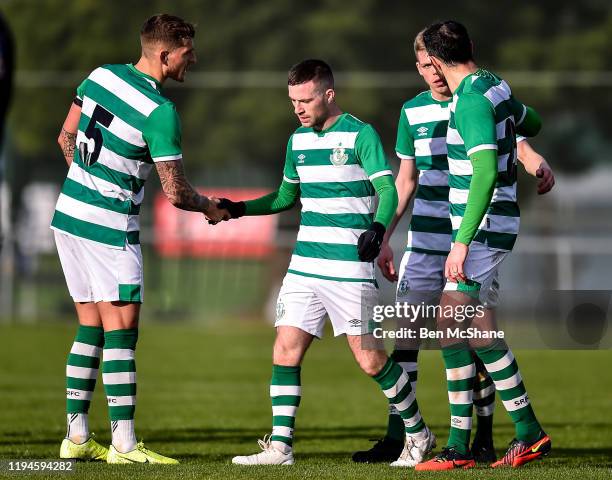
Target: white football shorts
303, 302
97, 273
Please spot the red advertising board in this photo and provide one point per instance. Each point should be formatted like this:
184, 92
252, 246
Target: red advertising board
187, 234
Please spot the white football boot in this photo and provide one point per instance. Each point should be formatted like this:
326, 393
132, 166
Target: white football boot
269, 455
416, 447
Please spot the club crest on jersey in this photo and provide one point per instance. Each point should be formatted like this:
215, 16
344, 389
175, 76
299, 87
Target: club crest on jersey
422, 131
338, 157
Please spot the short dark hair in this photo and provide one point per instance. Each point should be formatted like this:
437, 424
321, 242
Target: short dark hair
166, 29
311, 69
449, 41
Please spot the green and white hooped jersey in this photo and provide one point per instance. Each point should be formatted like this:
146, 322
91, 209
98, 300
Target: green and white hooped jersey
469, 132
126, 125
421, 137
334, 168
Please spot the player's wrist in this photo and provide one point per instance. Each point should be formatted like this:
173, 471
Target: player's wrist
370, 242
389, 233
235, 209
204, 204
461, 246
379, 228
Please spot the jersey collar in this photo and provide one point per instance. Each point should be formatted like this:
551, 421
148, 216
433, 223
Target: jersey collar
154, 83
332, 127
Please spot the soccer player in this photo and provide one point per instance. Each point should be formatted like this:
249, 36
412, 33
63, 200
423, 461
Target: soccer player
335, 164
119, 126
421, 147
481, 143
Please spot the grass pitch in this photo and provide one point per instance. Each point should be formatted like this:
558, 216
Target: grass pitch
203, 397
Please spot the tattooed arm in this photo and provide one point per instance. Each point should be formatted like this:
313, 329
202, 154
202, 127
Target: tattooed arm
182, 195
67, 143
67, 137
178, 190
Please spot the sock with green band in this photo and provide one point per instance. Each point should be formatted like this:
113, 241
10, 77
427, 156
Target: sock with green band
285, 392
484, 403
460, 372
407, 359
395, 384
501, 365
81, 374
119, 376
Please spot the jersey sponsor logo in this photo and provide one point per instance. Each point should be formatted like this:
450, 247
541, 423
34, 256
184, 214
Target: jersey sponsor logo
280, 310
301, 158
422, 131
338, 157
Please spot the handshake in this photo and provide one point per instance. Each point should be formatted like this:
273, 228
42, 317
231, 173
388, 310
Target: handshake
368, 245
223, 209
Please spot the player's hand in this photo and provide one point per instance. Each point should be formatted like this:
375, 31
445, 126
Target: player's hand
235, 209
453, 270
385, 262
214, 214
546, 178
368, 245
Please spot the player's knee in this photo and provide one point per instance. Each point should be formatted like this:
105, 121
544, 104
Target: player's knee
288, 355
369, 369
370, 364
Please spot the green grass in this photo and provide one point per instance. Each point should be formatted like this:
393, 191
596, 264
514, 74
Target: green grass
169, 292
202, 397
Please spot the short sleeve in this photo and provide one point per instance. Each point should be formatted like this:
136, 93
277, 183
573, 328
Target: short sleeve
518, 111
80, 92
162, 133
370, 153
290, 173
475, 121
404, 144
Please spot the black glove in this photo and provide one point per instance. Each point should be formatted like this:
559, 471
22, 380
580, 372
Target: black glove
368, 245
235, 209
